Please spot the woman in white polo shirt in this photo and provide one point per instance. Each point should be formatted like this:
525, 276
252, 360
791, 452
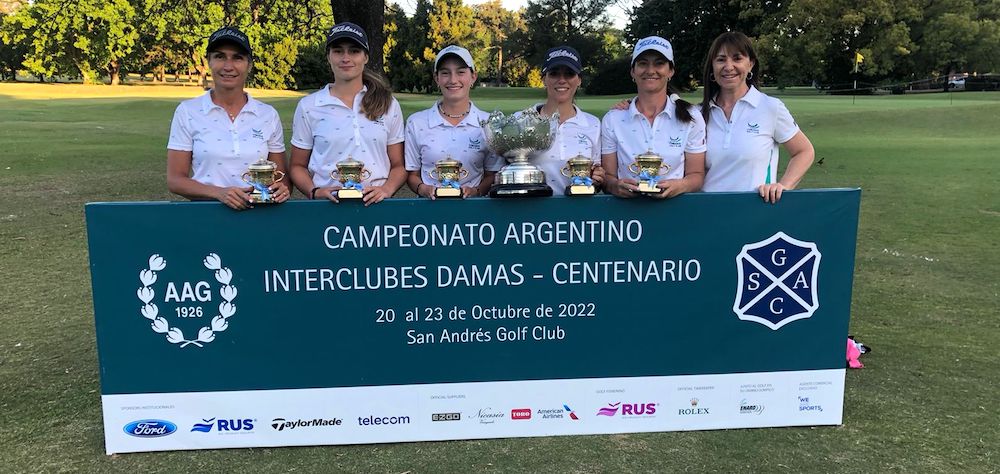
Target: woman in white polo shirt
579, 133
215, 137
355, 116
450, 129
655, 121
745, 126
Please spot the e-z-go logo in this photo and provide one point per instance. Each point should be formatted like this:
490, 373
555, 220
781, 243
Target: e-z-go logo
777, 281
188, 301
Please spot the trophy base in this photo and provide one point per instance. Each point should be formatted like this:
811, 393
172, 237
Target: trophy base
349, 194
580, 190
645, 187
447, 193
258, 198
520, 190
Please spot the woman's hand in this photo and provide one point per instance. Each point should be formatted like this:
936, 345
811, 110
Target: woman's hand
626, 188
374, 194
468, 192
771, 192
623, 105
329, 192
280, 192
597, 175
235, 197
669, 188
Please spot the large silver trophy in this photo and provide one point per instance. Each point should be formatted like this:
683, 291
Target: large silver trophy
515, 137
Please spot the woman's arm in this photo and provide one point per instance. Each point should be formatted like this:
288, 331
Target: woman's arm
179, 182
694, 177
802, 155
621, 187
397, 176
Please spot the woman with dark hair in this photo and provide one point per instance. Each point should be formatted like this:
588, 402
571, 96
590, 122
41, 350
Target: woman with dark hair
745, 126
355, 116
654, 122
215, 137
578, 133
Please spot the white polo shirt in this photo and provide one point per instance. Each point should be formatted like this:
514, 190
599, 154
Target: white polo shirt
629, 134
223, 149
429, 138
334, 131
743, 151
580, 135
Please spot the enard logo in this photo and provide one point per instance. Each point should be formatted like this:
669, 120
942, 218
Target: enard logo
150, 428
188, 301
777, 281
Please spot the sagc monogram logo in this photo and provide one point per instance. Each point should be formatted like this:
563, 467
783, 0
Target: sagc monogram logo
201, 291
777, 281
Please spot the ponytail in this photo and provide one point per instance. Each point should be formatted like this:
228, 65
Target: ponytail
378, 97
682, 107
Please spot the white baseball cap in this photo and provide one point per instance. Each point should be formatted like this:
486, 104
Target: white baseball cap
459, 51
654, 43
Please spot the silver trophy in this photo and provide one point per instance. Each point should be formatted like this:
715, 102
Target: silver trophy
515, 137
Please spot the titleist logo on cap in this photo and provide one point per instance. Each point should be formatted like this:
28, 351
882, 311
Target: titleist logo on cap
348, 28
649, 41
234, 34
562, 52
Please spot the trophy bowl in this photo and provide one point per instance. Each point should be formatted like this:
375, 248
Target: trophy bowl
350, 173
515, 137
579, 169
647, 168
261, 175
448, 172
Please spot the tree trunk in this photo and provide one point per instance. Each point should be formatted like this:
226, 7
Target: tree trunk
113, 72
369, 15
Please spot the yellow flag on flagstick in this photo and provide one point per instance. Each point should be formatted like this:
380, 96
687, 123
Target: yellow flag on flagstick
858, 58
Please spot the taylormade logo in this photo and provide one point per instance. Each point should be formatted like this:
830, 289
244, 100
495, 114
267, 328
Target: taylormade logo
281, 424
563, 53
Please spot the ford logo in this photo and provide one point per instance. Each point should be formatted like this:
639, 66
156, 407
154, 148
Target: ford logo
150, 428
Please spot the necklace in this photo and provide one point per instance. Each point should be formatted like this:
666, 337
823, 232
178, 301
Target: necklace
453, 116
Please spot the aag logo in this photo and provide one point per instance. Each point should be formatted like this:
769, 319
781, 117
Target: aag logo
223, 425
150, 428
777, 281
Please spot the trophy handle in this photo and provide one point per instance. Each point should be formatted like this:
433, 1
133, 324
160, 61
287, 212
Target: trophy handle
665, 167
280, 175
433, 174
463, 173
565, 171
246, 177
335, 175
633, 167
365, 174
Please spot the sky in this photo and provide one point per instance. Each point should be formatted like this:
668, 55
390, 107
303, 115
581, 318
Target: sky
617, 13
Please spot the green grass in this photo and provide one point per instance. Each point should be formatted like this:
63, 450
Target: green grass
926, 295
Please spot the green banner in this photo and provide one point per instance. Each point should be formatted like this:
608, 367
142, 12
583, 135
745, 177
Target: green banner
194, 297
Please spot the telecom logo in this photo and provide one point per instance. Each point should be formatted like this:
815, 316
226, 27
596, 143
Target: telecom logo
520, 414
748, 408
223, 425
628, 409
150, 428
281, 424
372, 420
777, 281
694, 409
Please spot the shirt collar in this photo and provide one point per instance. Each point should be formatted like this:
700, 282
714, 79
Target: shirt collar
668, 109
325, 98
752, 97
576, 118
207, 105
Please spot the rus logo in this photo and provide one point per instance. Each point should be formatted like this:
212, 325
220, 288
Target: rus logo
777, 281
150, 428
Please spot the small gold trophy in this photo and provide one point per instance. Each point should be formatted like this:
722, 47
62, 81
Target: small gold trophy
578, 169
350, 173
647, 166
261, 175
448, 172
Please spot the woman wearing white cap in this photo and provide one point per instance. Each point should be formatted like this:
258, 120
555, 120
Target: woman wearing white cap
745, 126
355, 116
656, 122
215, 137
579, 133
450, 129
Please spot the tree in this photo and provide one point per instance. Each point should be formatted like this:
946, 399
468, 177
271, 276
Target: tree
369, 15
12, 53
406, 66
